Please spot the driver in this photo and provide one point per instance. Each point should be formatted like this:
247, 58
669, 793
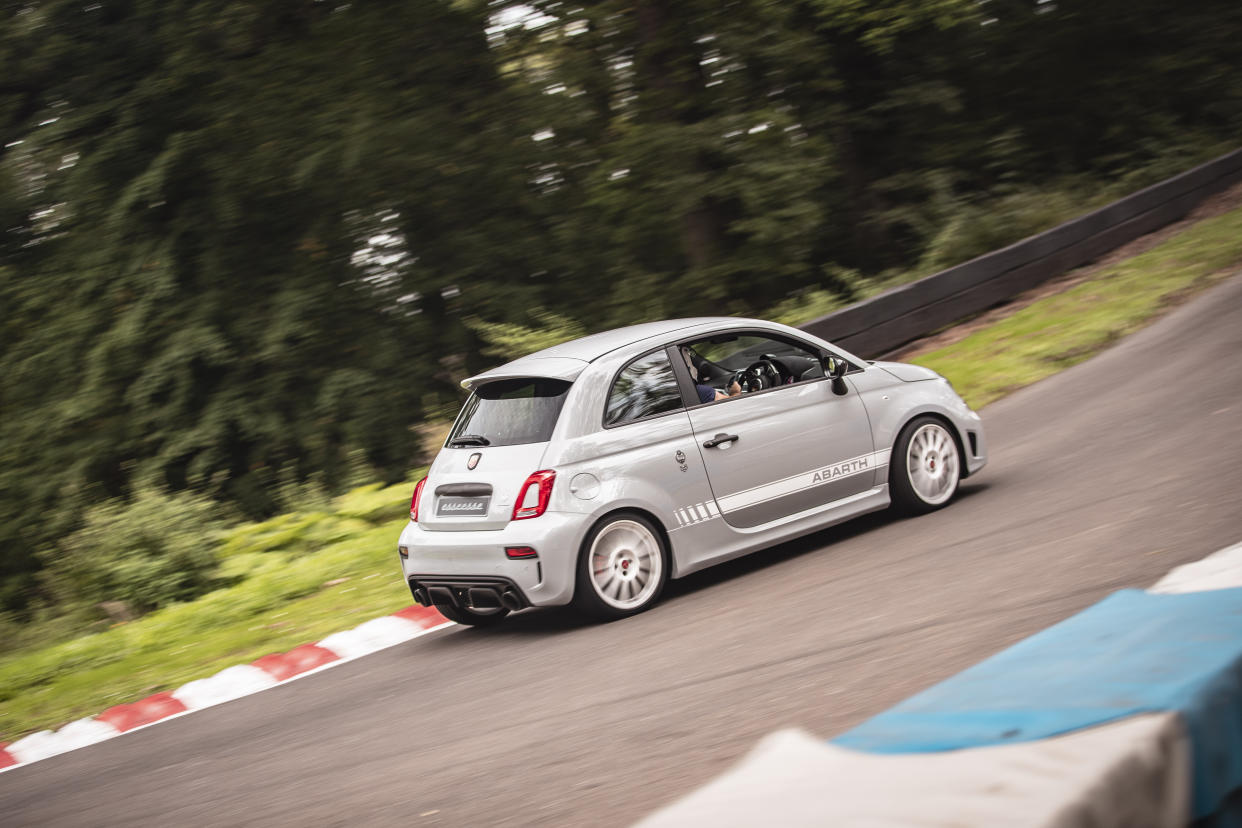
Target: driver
706, 392
709, 394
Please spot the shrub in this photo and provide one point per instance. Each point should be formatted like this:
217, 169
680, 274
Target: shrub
131, 557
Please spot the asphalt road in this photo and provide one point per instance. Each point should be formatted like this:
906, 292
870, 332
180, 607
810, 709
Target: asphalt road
1102, 477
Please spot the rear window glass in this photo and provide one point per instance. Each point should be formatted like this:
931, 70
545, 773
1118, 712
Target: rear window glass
509, 413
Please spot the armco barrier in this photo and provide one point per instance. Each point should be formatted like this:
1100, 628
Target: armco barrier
895, 317
1127, 714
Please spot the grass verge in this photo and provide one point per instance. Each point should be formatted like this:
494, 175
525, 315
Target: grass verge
302, 576
298, 578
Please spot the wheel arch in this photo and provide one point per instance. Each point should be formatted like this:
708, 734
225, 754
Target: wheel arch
629, 508
964, 471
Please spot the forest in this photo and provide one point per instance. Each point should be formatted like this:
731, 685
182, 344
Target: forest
249, 249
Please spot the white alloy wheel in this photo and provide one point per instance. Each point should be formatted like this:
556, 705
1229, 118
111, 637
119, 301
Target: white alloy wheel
626, 564
932, 464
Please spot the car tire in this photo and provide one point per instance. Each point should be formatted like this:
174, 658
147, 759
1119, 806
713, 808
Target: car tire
473, 618
925, 468
622, 567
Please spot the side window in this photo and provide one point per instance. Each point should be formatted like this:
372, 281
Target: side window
733, 363
644, 387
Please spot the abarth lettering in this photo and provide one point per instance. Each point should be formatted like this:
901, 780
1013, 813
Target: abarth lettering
841, 470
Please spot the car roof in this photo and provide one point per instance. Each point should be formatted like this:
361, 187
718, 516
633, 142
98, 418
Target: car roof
568, 359
591, 348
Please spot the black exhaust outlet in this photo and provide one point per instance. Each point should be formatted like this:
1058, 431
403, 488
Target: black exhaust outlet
441, 595
484, 592
483, 598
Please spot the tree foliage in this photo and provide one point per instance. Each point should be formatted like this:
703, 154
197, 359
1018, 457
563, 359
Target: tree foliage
248, 243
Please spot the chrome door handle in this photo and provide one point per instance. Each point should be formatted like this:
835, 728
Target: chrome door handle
720, 440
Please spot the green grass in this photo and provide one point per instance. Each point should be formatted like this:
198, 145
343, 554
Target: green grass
1066, 328
289, 592
287, 571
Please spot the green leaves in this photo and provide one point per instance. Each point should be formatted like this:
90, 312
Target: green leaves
508, 341
154, 551
880, 25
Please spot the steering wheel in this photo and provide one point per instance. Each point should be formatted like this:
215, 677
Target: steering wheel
746, 381
783, 373
758, 376
768, 373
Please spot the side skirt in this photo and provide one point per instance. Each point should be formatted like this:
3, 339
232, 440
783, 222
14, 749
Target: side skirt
788, 528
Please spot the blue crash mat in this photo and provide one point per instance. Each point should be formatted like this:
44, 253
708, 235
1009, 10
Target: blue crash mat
1133, 652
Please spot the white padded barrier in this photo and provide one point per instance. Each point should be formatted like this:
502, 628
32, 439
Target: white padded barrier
1133, 772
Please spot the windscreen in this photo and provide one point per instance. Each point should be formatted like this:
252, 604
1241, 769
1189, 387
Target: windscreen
510, 413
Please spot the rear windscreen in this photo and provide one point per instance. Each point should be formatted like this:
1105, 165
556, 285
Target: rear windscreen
509, 413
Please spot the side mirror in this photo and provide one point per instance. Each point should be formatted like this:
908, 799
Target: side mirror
835, 368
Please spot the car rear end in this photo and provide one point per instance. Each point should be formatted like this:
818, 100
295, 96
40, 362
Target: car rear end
483, 534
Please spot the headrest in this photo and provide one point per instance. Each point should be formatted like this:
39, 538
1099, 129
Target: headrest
694, 372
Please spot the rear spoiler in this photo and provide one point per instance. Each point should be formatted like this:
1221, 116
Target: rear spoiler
561, 368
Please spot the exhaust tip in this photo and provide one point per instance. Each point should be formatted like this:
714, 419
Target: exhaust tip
441, 595
420, 594
484, 598
510, 601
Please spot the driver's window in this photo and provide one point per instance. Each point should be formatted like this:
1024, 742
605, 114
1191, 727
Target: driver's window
728, 364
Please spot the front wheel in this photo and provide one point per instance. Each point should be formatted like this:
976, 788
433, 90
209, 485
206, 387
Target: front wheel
471, 617
925, 467
622, 567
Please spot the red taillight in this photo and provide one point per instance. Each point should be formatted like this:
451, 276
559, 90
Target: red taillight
521, 552
418, 492
534, 495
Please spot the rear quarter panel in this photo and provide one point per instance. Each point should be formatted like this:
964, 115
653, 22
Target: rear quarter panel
636, 465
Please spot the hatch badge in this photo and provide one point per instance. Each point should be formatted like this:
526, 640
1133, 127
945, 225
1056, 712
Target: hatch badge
473, 461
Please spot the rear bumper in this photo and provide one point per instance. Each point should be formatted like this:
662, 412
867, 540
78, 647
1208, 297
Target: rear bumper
476, 559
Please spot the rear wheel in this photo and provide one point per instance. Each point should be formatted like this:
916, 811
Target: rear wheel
473, 617
925, 467
622, 567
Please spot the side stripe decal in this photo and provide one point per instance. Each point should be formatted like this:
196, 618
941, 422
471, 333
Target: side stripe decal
709, 510
698, 513
862, 464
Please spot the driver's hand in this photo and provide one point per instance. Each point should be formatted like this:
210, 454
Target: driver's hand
735, 389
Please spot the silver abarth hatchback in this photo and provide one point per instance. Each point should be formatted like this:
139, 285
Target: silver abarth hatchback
593, 471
